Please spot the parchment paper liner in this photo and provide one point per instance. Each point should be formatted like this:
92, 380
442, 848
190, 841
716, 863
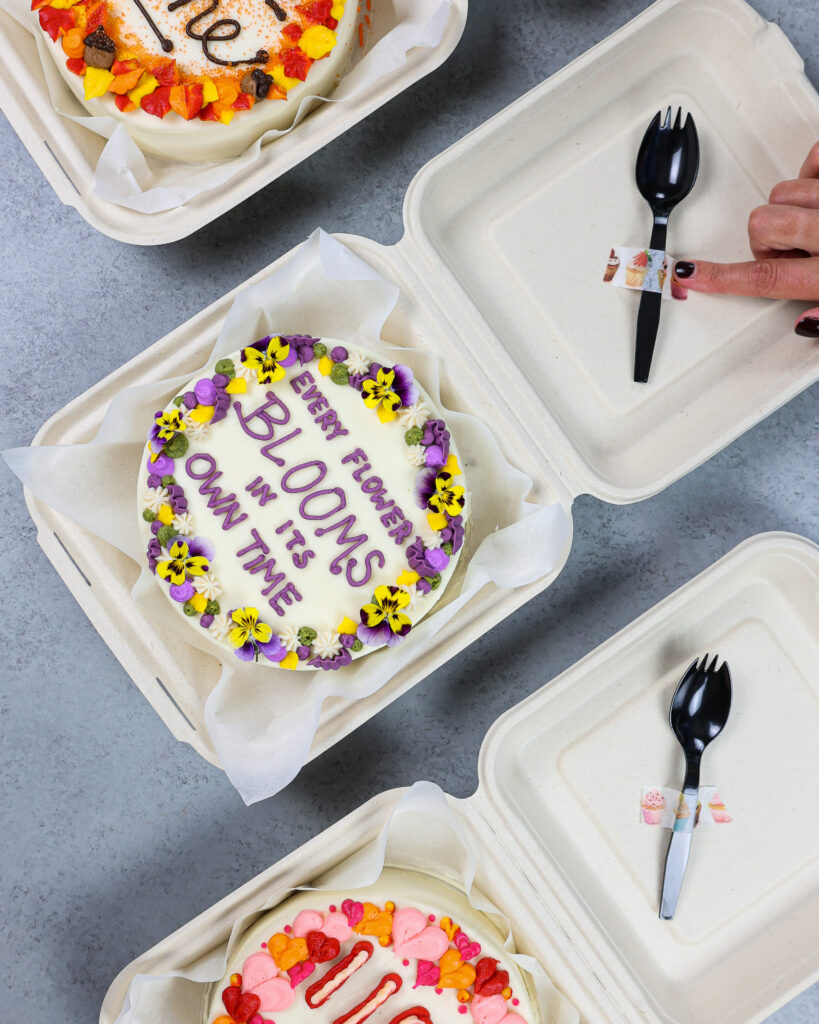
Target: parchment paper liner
147, 183
261, 719
178, 996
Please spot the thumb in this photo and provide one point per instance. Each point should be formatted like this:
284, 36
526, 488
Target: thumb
796, 278
808, 323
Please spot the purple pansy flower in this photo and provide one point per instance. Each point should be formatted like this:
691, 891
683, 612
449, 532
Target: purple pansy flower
454, 533
186, 559
425, 486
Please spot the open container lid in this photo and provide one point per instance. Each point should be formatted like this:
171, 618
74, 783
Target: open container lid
560, 785
511, 228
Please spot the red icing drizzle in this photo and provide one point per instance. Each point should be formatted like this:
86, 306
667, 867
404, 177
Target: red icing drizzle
317, 986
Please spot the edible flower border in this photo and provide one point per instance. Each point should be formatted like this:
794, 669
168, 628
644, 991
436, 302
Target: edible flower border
178, 559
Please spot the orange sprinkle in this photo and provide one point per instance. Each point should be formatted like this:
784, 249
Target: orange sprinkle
369, 5
367, 19
361, 35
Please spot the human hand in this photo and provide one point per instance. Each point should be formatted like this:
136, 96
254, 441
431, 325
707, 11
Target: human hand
784, 238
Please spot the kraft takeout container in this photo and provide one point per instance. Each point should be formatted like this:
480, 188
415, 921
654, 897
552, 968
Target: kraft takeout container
554, 829
500, 272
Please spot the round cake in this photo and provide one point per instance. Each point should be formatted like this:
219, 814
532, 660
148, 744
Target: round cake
302, 504
407, 950
199, 79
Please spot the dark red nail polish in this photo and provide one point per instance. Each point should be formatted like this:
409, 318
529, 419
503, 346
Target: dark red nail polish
808, 327
683, 269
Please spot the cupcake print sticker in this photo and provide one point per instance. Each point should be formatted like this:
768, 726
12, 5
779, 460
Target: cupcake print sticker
644, 270
661, 805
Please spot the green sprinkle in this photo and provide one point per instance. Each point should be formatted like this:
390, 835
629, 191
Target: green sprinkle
356, 646
166, 534
339, 374
319, 350
306, 635
447, 547
226, 367
212, 608
168, 480
434, 581
188, 608
148, 515
413, 435
177, 446
178, 400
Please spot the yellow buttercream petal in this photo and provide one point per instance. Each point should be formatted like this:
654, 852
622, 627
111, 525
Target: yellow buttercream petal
199, 602
165, 515
237, 386
452, 465
436, 520
283, 82
227, 115
202, 413
407, 578
144, 87
96, 82
325, 366
346, 626
209, 91
317, 41
290, 660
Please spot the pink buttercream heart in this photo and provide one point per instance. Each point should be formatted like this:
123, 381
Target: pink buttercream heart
488, 1009
427, 973
353, 911
300, 972
307, 921
468, 950
260, 977
413, 936
336, 926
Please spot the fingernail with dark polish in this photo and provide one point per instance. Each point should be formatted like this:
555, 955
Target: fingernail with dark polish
683, 269
808, 327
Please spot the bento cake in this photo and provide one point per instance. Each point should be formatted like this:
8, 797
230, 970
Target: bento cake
302, 504
407, 950
199, 79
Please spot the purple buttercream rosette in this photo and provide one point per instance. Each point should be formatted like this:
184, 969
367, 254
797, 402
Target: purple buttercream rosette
453, 533
435, 443
426, 561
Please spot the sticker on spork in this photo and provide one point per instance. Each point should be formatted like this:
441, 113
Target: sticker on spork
643, 270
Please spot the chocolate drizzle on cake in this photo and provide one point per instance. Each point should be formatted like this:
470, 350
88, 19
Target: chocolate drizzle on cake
280, 13
166, 44
210, 34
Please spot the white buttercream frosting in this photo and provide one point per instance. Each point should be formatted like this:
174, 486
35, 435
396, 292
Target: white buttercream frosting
220, 627
326, 644
289, 636
183, 523
414, 415
154, 498
358, 361
416, 455
207, 585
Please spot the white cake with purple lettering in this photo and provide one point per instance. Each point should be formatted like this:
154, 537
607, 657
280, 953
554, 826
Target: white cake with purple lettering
303, 504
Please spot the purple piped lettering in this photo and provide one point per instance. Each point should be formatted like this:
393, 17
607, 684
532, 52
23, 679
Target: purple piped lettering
337, 431
261, 490
344, 526
285, 526
257, 543
301, 558
209, 461
402, 531
287, 594
395, 515
340, 506
269, 422
358, 473
318, 403
296, 540
371, 556
355, 456
222, 504
268, 448
301, 381
321, 472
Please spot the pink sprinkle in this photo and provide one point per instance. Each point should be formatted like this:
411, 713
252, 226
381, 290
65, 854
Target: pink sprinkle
405, 963
288, 929
462, 1009
264, 945
515, 1002
432, 917
332, 908
438, 991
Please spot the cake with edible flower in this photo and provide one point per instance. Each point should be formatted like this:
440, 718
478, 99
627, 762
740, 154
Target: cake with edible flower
199, 79
407, 950
302, 504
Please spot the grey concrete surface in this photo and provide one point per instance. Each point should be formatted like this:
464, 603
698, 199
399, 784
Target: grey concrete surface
114, 834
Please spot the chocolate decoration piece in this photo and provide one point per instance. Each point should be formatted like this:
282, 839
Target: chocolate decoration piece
274, 7
100, 51
166, 44
257, 83
208, 36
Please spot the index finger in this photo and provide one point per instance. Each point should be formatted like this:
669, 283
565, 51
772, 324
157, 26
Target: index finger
770, 279
810, 168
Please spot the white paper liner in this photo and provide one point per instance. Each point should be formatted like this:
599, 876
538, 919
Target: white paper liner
125, 176
262, 720
447, 853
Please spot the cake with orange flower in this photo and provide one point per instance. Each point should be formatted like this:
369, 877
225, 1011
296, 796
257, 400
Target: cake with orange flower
199, 79
302, 503
407, 950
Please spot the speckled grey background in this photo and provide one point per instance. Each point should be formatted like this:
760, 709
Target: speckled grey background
114, 834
